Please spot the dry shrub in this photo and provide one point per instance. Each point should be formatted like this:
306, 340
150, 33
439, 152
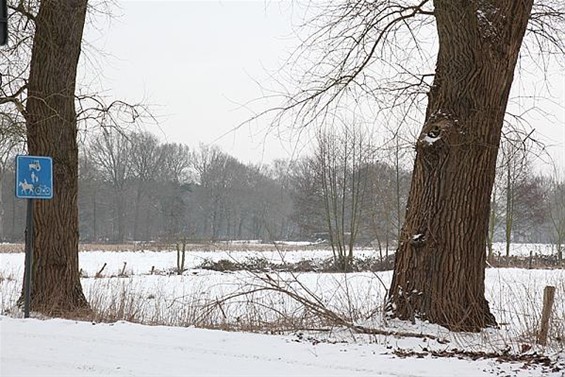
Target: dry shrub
11, 247
517, 304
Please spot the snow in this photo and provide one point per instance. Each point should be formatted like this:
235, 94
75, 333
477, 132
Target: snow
141, 262
67, 348
35, 347
419, 238
91, 262
485, 15
430, 140
524, 249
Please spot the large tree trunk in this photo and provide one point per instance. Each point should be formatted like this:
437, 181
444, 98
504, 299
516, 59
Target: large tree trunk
52, 131
440, 261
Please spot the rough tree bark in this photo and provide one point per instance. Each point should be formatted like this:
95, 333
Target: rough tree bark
440, 261
52, 131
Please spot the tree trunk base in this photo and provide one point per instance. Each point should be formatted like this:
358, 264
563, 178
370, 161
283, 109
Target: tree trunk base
465, 319
70, 304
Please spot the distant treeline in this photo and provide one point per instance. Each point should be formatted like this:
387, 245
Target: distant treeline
132, 187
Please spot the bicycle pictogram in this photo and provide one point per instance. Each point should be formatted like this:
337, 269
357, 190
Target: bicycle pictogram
34, 177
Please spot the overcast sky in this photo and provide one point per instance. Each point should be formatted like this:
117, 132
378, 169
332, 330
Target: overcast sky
198, 62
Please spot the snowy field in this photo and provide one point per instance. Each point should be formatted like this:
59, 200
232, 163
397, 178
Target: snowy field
66, 348
143, 287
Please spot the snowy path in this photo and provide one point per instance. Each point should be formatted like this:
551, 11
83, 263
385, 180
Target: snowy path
68, 348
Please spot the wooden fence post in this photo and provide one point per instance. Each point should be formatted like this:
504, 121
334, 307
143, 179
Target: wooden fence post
548, 298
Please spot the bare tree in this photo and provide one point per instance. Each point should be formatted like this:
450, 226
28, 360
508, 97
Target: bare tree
111, 152
51, 122
517, 199
388, 189
216, 175
392, 192
40, 86
174, 183
556, 204
175, 162
375, 50
342, 160
494, 220
515, 166
91, 194
11, 142
307, 196
280, 174
145, 158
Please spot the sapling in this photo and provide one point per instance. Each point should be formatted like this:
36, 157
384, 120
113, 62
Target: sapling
181, 254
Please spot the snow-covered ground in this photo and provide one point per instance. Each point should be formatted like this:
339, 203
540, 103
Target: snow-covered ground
67, 348
35, 347
524, 249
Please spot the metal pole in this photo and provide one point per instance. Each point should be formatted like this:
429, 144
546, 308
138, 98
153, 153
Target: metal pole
28, 257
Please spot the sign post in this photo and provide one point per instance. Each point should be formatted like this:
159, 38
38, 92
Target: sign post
34, 180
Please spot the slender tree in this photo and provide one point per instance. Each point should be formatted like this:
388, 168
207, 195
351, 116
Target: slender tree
11, 142
557, 215
174, 184
341, 163
146, 159
111, 152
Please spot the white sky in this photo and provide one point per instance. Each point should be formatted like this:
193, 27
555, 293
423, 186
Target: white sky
197, 62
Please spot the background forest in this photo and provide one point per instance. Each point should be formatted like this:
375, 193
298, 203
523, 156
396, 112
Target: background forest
134, 187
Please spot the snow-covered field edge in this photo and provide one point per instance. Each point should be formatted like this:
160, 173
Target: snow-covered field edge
142, 287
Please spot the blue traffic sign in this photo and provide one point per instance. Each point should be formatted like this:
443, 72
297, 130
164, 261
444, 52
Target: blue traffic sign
34, 177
